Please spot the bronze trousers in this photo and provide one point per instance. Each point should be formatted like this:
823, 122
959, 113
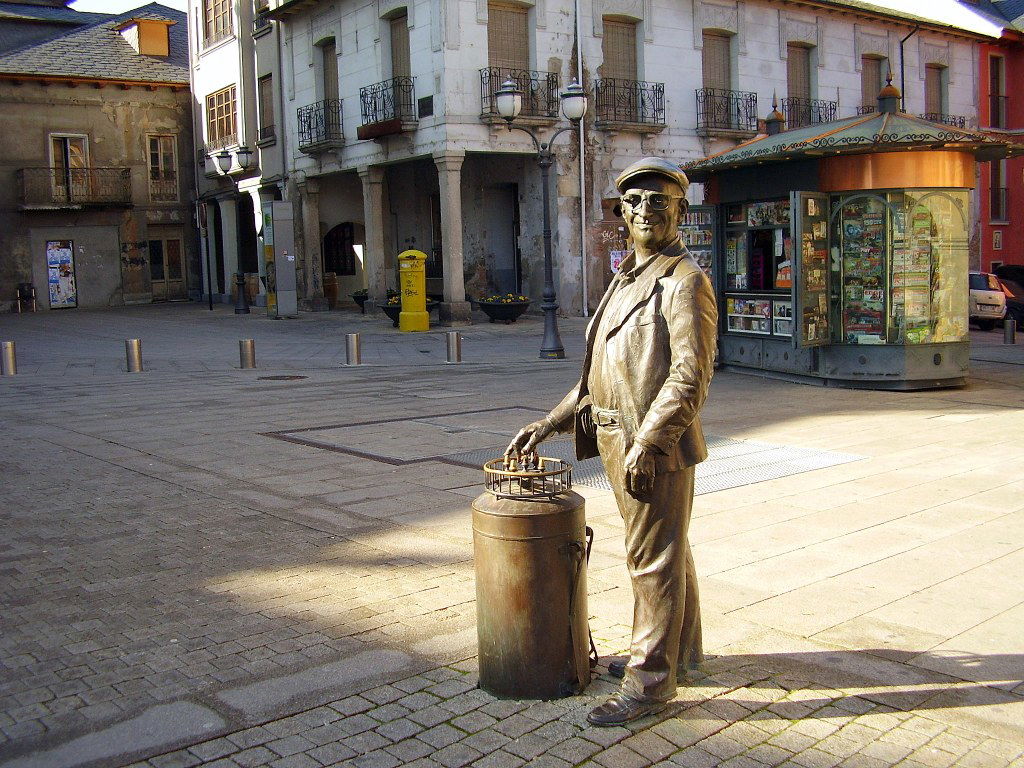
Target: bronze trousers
666, 606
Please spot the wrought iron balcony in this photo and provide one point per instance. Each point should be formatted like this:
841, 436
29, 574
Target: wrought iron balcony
629, 102
260, 24
723, 110
320, 126
163, 189
220, 142
999, 204
540, 91
74, 187
799, 111
957, 121
867, 109
387, 107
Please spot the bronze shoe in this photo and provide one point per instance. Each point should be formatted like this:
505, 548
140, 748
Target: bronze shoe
621, 709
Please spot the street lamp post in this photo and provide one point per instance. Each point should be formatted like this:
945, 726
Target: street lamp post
509, 102
224, 161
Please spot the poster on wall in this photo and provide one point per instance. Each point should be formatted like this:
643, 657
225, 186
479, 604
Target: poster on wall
60, 273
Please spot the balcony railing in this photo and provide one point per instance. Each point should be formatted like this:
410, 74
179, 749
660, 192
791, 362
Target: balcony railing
260, 24
997, 111
999, 204
957, 121
540, 91
218, 143
629, 101
320, 124
392, 99
799, 111
163, 190
867, 109
724, 110
74, 187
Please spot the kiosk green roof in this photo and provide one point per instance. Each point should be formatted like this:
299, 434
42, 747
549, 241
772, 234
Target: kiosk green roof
876, 132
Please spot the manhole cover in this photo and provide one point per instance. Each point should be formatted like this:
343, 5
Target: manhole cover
280, 378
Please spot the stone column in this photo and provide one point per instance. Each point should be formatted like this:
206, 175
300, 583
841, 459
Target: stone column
454, 310
312, 260
228, 243
372, 178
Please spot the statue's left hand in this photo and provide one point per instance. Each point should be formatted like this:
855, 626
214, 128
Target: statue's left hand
640, 468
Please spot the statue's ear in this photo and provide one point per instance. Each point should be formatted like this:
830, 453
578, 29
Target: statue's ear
617, 209
684, 206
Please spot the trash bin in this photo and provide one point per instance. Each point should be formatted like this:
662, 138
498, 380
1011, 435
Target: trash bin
331, 289
530, 552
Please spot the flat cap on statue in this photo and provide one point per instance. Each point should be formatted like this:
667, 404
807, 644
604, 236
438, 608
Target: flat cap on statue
656, 165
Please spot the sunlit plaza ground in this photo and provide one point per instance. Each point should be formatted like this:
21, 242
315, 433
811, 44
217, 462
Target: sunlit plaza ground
204, 566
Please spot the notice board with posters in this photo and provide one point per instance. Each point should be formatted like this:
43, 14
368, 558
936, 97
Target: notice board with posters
60, 274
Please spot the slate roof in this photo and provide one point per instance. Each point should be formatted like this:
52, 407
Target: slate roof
876, 132
1011, 11
97, 51
25, 12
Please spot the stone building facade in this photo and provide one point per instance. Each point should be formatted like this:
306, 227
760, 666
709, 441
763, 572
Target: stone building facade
96, 144
390, 140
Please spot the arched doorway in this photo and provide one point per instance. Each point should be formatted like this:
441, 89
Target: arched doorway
340, 255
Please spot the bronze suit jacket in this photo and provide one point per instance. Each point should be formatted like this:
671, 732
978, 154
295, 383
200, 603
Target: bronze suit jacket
662, 350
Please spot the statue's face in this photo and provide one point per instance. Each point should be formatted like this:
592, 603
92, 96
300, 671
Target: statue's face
652, 228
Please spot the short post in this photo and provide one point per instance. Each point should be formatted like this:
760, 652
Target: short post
352, 350
454, 347
133, 355
1009, 330
247, 353
8, 359
241, 303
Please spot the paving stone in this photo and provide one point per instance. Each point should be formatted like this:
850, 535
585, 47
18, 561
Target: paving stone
499, 759
295, 761
254, 756
364, 742
400, 729
430, 716
210, 750
182, 758
473, 722
440, 736
456, 755
410, 749
290, 745
694, 757
618, 756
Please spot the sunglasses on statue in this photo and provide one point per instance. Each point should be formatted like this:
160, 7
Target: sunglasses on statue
656, 201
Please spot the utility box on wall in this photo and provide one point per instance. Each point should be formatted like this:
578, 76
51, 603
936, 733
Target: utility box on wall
279, 259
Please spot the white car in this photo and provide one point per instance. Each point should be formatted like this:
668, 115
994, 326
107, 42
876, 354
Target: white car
987, 302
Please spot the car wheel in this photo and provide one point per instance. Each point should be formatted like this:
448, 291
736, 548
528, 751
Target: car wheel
986, 325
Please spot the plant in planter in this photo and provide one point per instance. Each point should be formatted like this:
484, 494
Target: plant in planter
361, 296
394, 307
505, 308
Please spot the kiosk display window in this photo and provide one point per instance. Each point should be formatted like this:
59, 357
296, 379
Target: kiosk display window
697, 230
862, 235
759, 268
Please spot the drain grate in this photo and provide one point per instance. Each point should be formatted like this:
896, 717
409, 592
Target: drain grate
730, 463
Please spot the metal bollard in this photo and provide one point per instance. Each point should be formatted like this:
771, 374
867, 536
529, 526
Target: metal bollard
352, 350
454, 347
241, 300
8, 359
247, 353
1009, 330
133, 355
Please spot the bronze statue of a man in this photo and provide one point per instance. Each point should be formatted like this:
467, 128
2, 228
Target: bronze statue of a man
649, 359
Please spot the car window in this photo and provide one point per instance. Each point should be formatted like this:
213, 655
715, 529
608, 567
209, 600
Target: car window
978, 282
1012, 289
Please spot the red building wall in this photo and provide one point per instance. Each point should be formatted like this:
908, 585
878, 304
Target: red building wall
1010, 228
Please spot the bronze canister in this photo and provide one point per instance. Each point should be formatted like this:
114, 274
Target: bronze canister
529, 544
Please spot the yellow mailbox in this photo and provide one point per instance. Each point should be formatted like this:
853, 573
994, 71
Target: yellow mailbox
412, 278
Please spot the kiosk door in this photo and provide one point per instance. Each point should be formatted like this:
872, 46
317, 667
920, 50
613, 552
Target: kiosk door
811, 269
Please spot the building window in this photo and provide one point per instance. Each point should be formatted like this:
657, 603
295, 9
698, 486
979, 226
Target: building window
798, 71
217, 22
163, 169
265, 86
400, 61
998, 210
69, 164
329, 68
997, 92
339, 250
618, 49
717, 61
220, 119
872, 74
934, 91
508, 36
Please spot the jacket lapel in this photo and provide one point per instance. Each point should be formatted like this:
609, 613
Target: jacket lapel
665, 264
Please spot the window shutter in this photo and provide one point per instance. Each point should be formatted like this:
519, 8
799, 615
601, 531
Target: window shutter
619, 49
717, 63
400, 64
933, 89
329, 54
870, 80
267, 101
508, 41
798, 71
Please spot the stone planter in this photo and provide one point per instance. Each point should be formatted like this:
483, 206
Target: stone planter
500, 312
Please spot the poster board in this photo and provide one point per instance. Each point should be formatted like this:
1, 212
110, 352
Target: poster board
60, 274
810, 216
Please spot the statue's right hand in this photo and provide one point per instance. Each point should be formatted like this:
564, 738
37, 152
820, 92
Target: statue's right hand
528, 438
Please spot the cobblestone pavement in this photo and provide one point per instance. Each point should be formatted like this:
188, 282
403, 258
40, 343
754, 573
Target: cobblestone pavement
182, 587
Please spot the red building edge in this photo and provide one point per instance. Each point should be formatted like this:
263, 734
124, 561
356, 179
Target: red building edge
1001, 183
